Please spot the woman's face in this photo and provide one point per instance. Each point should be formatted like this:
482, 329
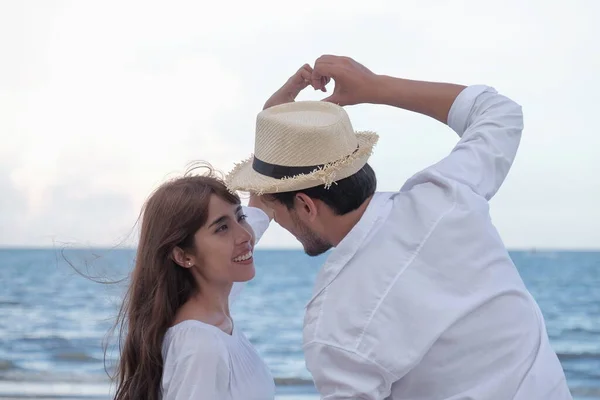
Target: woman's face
224, 245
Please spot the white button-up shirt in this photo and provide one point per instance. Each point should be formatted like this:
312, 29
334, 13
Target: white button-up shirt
421, 299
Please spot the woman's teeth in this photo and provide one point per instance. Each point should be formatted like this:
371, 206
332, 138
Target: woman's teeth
243, 257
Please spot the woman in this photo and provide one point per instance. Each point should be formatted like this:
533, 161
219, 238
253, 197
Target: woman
196, 244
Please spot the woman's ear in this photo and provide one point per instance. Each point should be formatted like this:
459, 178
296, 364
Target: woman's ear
181, 258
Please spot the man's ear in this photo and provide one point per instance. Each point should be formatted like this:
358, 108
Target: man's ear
305, 207
181, 258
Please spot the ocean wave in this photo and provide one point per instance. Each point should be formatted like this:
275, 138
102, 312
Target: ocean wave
592, 331
22, 375
7, 365
53, 340
53, 390
9, 303
588, 392
75, 356
44, 334
293, 382
585, 355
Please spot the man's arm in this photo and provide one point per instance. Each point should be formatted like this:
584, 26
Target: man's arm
489, 124
340, 374
356, 84
432, 99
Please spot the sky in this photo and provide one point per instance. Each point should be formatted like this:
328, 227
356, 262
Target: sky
100, 102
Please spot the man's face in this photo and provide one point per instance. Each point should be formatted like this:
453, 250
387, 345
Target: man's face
296, 222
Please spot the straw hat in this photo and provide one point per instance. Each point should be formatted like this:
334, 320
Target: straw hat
300, 145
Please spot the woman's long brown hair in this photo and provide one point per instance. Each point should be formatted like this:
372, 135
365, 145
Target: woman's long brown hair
158, 286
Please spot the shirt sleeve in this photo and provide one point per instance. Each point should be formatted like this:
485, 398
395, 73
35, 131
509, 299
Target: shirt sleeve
201, 372
489, 125
342, 374
258, 220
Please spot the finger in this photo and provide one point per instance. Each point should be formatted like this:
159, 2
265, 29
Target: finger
306, 77
324, 81
307, 71
323, 72
316, 79
329, 59
302, 77
333, 99
307, 67
321, 76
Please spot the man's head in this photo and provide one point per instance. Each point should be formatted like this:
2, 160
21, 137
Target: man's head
310, 166
308, 213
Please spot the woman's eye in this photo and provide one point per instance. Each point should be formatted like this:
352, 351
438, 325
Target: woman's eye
222, 228
242, 217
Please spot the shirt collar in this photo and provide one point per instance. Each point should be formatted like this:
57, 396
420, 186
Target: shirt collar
349, 245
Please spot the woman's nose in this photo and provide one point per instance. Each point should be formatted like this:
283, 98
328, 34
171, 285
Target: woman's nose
244, 234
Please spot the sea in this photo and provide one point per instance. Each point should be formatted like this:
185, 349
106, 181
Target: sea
54, 321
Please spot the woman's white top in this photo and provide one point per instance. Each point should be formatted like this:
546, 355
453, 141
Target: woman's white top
202, 362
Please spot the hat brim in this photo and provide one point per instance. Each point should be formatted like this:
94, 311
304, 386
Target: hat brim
245, 179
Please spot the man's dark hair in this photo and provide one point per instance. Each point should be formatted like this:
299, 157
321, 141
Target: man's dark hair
343, 196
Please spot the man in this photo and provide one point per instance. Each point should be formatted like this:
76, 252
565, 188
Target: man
419, 299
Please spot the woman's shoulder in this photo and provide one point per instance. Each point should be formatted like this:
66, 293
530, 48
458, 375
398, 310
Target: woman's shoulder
196, 362
194, 338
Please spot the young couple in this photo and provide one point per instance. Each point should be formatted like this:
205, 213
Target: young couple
419, 298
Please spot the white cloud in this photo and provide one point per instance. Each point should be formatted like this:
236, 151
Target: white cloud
100, 101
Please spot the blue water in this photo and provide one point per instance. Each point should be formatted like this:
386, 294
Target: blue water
53, 321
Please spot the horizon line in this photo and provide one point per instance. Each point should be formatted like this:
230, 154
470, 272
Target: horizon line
270, 248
